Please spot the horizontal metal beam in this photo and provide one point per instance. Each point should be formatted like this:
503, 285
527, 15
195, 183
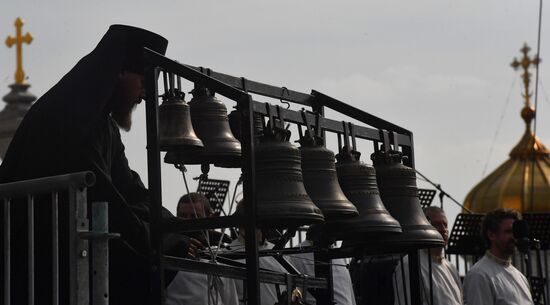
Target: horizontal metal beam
257, 87
47, 184
177, 224
272, 252
296, 117
181, 264
358, 114
155, 59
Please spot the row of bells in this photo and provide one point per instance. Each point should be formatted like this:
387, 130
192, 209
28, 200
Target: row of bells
355, 202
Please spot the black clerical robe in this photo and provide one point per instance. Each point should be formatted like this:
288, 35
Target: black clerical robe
69, 129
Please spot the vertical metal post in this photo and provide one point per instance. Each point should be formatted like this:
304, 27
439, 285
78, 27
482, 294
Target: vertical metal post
320, 109
414, 278
55, 249
404, 280
547, 286
79, 272
100, 254
409, 151
30, 248
249, 187
323, 269
7, 252
430, 277
154, 175
457, 262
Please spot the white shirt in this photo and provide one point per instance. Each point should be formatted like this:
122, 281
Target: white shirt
190, 288
341, 279
268, 292
494, 283
446, 285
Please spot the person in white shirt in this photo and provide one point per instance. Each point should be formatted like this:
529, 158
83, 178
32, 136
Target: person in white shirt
446, 285
341, 279
268, 292
493, 280
191, 288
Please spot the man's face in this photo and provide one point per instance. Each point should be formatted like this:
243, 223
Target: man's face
129, 92
503, 240
186, 210
439, 221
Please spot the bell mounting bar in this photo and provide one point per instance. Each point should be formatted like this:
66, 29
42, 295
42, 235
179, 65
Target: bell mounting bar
326, 124
250, 86
194, 75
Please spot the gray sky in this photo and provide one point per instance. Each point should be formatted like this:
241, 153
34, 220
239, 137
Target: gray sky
437, 67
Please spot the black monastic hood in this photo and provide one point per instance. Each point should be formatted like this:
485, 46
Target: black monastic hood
65, 115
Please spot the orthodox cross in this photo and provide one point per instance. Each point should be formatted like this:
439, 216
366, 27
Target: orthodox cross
525, 63
18, 40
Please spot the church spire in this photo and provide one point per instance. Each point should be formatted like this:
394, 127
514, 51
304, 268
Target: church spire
528, 112
19, 99
529, 146
18, 41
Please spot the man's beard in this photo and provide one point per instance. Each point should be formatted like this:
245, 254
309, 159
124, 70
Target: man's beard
123, 117
122, 108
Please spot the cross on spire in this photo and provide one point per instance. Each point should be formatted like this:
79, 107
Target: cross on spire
18, 40
525, 63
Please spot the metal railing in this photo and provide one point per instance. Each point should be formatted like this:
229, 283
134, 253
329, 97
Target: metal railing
73, 187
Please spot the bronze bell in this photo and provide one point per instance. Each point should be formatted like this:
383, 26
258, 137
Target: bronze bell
321, 181
281, 198
209, 117
358, 181
398, 190
175, 129
235, 124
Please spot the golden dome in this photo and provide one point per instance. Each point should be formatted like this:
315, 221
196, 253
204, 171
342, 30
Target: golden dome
524, 175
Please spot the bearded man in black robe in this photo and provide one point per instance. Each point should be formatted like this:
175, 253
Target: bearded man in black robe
75, 127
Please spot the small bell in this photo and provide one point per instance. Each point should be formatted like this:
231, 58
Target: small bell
320, 179
209, 117
398, 190
281, 198
358, 181
175, 129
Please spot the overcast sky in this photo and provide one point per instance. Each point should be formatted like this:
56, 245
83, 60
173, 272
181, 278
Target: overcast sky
439, 68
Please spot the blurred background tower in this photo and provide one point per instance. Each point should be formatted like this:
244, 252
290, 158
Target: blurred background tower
18, 100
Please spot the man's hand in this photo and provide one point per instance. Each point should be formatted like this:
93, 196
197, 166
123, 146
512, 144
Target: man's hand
194, 247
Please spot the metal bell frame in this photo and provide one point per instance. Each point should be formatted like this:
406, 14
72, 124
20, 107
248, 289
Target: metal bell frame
239, 89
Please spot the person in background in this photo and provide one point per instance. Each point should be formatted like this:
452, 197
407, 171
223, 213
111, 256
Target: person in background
268, 292
493, 279
446, 285
190, 288
341, 279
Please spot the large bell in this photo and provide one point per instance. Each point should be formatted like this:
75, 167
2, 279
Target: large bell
209, 117
175, 129
282, 200
399, 193
358, 181
321, 181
